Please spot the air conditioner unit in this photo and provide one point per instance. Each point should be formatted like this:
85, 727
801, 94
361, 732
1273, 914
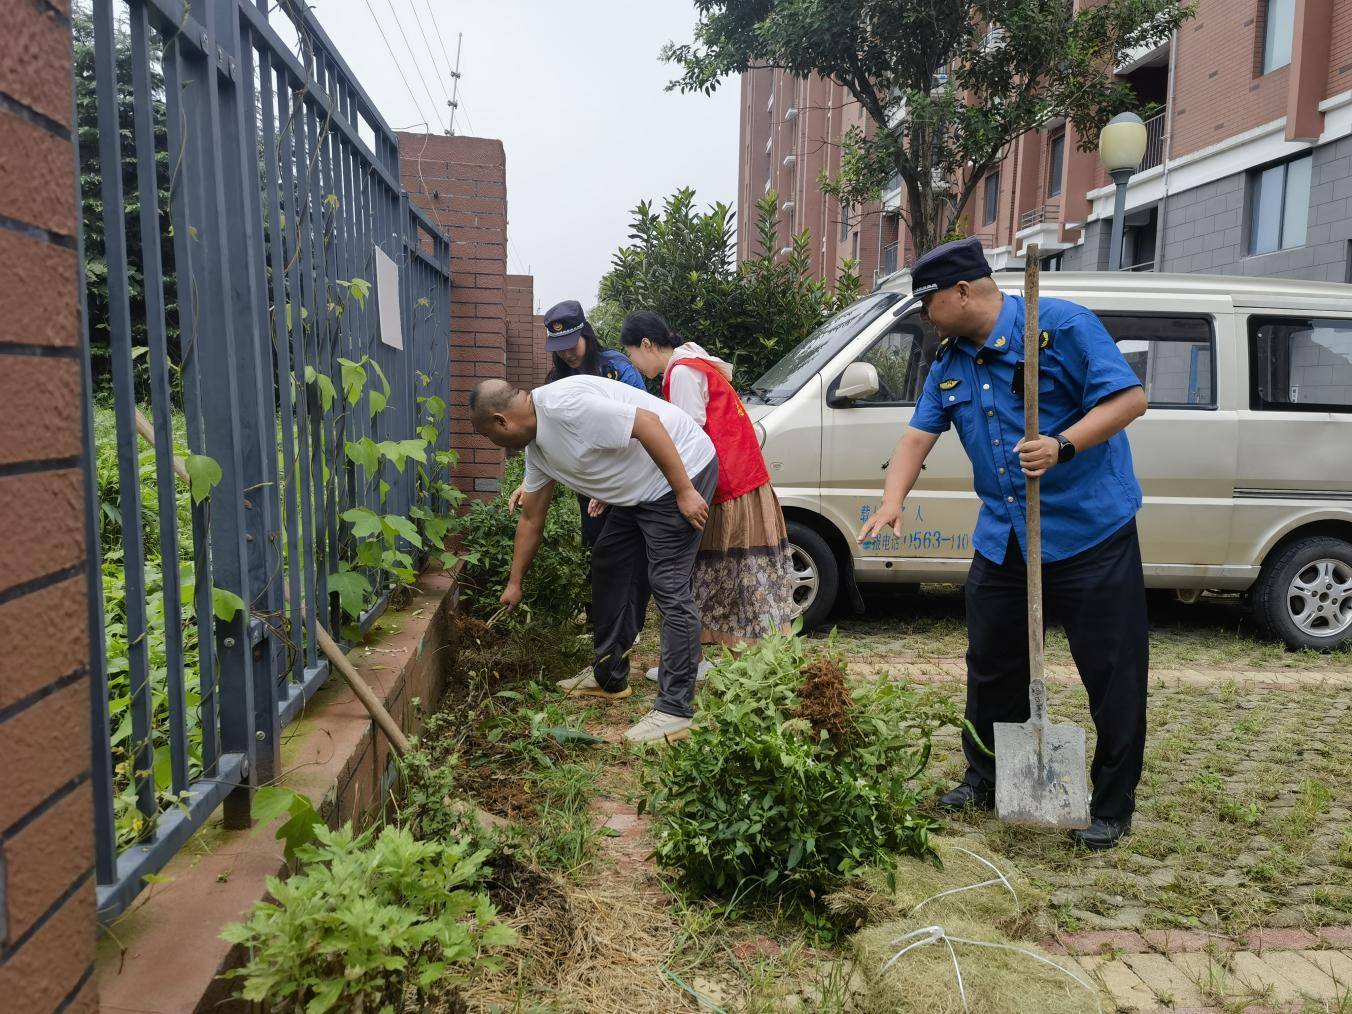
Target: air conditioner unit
787, 206
791, 113
790, 160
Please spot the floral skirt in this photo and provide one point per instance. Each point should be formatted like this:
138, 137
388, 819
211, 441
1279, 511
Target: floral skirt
742, 572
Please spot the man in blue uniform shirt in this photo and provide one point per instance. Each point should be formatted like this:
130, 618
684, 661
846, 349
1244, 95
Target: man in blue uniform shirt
1092, 579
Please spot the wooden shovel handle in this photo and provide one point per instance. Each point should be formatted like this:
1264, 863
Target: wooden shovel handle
1031, 335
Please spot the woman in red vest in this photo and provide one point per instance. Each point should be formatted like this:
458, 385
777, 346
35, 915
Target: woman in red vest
742, 573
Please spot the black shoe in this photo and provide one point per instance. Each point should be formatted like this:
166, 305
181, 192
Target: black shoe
967, 797
1102, 834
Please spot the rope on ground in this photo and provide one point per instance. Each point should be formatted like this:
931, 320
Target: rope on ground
936, 934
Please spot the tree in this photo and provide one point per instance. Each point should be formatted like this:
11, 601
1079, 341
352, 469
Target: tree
682, 264
946, 86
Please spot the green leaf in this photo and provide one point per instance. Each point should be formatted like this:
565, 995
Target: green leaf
378, 402
565, 734
435, 406
204, 472
327, 393
403, 526
269, 803
364, 452
364, 521
354, 379
352, 587
384, 490
225, 604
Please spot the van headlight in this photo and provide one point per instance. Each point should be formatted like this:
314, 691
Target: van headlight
760, 434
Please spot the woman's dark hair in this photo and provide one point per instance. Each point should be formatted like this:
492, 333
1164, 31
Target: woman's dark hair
653, 326
591, 359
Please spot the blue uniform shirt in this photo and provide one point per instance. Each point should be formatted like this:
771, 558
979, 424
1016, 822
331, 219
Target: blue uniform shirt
973, 388
616, 366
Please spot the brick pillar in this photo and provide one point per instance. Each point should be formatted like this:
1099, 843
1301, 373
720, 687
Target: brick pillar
461, 183
526, 358
544, 362
46, 813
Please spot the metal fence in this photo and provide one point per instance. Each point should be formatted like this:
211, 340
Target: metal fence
236, 266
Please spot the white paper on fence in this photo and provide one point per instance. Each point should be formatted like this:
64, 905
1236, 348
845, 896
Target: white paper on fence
387, 300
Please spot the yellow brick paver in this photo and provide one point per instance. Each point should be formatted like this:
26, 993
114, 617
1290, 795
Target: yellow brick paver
1170, 984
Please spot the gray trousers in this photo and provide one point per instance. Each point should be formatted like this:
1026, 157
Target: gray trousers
652, 536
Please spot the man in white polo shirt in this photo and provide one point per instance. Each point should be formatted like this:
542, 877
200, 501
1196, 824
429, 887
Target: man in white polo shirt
656, 469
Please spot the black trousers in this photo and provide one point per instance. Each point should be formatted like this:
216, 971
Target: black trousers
640, 593
652, 538
1098, 596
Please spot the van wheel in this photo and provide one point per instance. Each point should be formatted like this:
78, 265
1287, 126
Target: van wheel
816, 575
1304, 594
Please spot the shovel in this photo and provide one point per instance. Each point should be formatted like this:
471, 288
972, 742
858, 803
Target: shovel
1039, 767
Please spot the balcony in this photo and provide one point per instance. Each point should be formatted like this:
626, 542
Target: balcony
1154, 141
790, 160
1046, 214
889, 263
1040, 225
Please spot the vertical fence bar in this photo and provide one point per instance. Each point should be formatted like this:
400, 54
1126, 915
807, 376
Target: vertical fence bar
224, 280
101, 773
293, 163
280, 331
140, 758
152, 283
186, 206
257, 407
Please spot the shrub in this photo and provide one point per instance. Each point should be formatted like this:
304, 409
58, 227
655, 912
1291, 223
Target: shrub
366, 921
791, 782
557, 586
682, 263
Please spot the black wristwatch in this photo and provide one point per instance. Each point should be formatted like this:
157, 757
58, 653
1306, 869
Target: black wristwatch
1067, 449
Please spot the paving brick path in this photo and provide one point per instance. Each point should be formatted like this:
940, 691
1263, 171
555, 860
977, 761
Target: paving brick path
1173, 970
941, 670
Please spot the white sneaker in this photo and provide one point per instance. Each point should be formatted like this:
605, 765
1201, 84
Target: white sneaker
701, 673
584, 685
658, 726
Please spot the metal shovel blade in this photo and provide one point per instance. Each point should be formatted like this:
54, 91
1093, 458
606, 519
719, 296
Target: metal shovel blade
1039, 774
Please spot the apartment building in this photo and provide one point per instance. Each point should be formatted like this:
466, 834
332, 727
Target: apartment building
1248, 166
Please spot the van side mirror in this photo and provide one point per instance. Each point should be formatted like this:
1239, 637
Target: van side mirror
860, 380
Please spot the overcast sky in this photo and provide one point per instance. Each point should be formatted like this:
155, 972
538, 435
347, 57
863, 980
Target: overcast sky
574, 89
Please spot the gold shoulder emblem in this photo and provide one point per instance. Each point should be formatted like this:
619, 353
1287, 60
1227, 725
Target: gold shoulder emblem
948, 385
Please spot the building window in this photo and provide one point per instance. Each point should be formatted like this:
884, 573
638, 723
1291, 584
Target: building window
1052, 263
1279, 206
990, 199
1056, 161
1279, 23
854, 245
844, 222
1300, 364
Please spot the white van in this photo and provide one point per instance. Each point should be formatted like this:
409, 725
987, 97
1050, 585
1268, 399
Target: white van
1245, 456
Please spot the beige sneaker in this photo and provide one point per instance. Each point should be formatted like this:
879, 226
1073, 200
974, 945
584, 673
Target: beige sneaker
701, 674
584, 685
658, 726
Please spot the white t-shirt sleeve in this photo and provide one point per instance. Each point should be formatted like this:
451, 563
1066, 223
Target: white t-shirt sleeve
689, 390
535, 477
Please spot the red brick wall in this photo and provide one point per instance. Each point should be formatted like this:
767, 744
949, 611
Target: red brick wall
527, 362
461, 182
1219, 90
1340, 48
46, 838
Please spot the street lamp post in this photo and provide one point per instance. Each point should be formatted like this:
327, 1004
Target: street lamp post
1121, 147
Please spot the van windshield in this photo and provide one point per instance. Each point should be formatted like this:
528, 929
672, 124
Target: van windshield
783, 380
